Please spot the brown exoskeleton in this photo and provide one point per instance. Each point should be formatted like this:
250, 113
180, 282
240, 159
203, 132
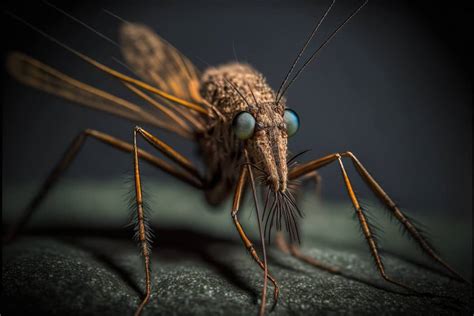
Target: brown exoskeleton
240, 124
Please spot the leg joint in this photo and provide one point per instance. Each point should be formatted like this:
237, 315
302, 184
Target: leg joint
88, 131
346, 154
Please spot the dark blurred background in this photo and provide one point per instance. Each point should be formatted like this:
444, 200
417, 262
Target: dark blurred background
394, 87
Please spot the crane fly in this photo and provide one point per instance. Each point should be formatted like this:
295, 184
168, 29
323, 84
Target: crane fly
240, 125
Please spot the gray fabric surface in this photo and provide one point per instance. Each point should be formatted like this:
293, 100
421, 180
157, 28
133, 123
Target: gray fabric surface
78, 259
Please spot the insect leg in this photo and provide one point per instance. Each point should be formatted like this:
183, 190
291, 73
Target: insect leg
366, 228
308, 167
170, 152
248, 244
142, 228
409, 226
294, 250
69, 156
302, 169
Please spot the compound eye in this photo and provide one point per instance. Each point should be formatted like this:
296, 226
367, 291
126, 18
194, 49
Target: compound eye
292, 121
243, 125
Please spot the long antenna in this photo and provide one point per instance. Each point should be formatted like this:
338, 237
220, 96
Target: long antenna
81, 23
115, 16
310, 59
315, 29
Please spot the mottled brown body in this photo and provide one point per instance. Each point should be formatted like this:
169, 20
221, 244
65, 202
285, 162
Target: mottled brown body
233, 88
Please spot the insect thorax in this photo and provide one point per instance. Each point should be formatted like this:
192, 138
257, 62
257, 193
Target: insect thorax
226, 87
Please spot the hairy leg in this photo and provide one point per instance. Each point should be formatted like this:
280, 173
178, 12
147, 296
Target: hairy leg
143, 232
186, 172
69, 156
305, 168
248, 244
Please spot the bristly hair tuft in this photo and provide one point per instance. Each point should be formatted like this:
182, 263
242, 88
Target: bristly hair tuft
281, 212
374, 227
133, 217
419, 227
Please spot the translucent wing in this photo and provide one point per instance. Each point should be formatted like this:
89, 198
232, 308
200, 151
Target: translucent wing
38, 75
158, 62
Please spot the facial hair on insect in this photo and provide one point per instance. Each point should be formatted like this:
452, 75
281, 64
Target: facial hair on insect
279, 206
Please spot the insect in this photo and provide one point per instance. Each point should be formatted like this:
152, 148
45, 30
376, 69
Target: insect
240, 124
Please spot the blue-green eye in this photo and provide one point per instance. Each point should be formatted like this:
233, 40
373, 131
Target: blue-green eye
243, 125
292, 121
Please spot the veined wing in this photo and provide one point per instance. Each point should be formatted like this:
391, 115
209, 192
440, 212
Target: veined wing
43, 77
158, 62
